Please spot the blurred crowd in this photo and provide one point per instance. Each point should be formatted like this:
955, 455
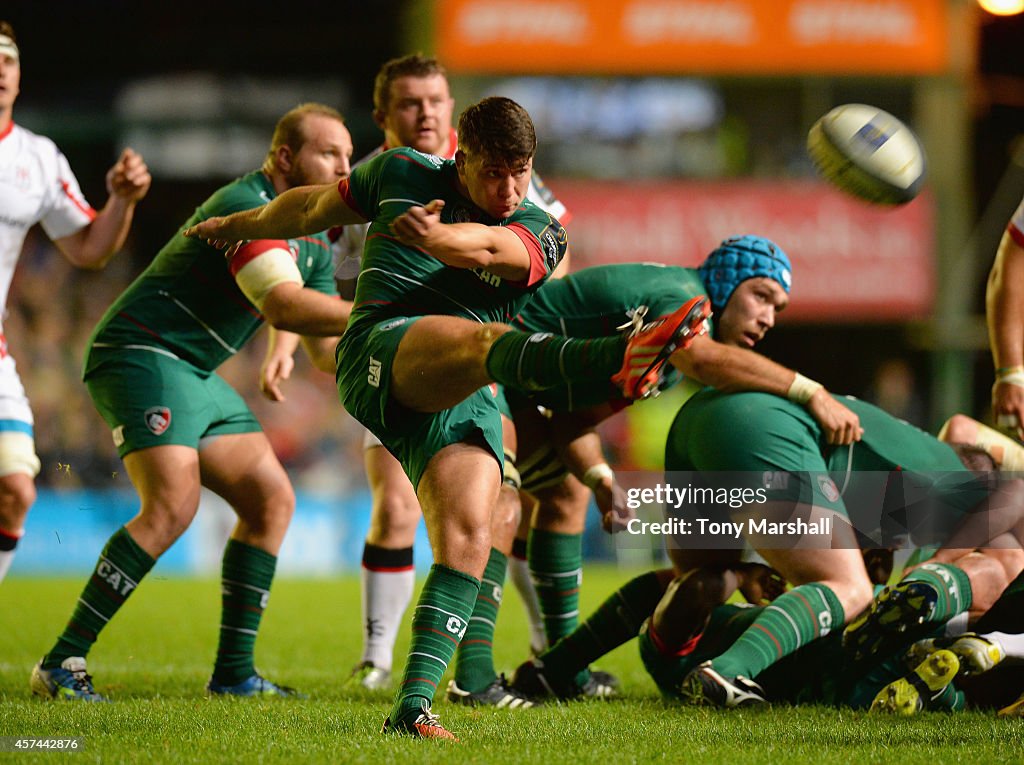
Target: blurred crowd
53, 308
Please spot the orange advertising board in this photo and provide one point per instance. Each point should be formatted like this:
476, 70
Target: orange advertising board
693, 36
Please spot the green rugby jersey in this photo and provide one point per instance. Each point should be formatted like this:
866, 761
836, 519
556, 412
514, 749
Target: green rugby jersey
399, 280
594, 301
187, 304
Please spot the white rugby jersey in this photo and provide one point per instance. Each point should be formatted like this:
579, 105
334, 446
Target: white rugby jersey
1016, 225
36, 186
347, 242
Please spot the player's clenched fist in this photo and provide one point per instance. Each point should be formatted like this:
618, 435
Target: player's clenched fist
129, 178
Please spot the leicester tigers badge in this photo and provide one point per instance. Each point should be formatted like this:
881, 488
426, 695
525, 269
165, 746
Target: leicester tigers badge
158, 419
828, 488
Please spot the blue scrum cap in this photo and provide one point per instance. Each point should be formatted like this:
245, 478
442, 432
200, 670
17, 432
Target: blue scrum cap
740, 258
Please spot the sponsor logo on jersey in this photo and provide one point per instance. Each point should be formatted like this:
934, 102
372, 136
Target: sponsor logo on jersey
293, 249
487, 277
828, 488
462, 214
373, 377
158, 419
553, 243
431, 158
118, 434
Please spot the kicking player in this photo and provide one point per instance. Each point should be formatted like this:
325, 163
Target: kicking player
37, 186
412, 105
454, 250
150, 369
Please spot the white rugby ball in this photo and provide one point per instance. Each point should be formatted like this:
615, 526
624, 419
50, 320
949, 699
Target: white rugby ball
868, 153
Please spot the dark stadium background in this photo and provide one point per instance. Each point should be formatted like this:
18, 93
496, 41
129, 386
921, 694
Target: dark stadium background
78, 57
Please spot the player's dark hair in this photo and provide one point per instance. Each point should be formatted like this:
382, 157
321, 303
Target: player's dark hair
412, 65
498, 129
290, 129
8, 30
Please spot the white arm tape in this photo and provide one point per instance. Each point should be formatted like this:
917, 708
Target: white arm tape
1014, 378
596, 474
261, 274
802, 388
1007, 453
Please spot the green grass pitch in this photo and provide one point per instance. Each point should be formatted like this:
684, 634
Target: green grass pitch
154, 659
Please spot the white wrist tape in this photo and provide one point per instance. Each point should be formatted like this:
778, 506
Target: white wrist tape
596, 474
1012, 378
802, 388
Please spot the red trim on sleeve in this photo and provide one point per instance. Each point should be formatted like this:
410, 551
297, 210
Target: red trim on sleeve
15, 535
249, 252
348, 199
81, 204
1016, 234
538, 269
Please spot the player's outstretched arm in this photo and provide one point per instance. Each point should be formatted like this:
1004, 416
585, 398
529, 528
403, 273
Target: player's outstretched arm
737, 369
92, 247
579, 447
463, 245
1004, 304
298, 211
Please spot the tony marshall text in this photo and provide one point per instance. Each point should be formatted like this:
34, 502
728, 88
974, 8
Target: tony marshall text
705, 526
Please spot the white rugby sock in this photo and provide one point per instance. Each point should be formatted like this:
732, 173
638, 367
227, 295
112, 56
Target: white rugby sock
519, 573
1012, 644
388, 579
6, 557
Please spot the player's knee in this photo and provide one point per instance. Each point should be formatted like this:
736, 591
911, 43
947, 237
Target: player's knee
395, 516
706, 587
959, 429
485, 335
17, 495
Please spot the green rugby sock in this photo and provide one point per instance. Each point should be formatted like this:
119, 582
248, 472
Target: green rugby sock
120, 568
615, 622
791, 621
474, 662
246, 575
556, 562
952, 584
438, 624
541, 360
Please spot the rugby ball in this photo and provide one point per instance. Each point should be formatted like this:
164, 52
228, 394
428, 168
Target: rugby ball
868, 153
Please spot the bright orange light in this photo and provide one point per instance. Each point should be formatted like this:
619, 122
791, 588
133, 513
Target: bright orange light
1002, 7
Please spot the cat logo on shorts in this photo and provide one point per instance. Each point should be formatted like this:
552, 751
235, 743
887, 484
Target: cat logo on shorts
158, 419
